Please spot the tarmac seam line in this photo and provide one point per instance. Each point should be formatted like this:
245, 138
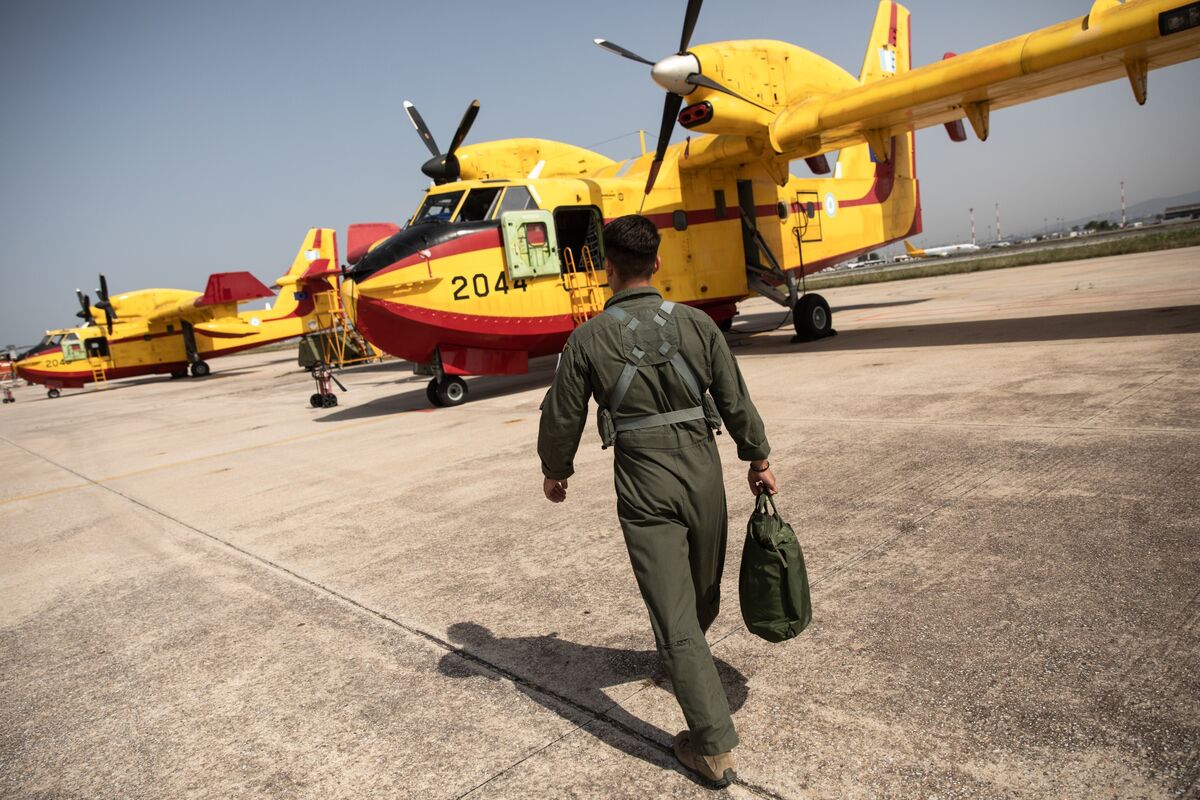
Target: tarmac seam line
594, 716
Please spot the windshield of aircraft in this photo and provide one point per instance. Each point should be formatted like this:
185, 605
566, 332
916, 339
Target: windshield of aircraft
438, 207
478, 205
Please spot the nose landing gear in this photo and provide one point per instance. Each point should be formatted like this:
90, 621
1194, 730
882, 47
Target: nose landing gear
325, 379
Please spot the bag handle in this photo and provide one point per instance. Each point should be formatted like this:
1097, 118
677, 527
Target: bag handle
761, 502
760, 509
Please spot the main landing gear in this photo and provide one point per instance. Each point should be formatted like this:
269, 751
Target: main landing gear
200, 369
52, 393
450, 390
811, 317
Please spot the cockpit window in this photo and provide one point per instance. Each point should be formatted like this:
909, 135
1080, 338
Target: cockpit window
478, 205
438, 207
516, 198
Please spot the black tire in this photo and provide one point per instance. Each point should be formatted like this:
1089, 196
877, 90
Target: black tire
52, 393
452, 391
333, 400
328, 401
812, 318
726, 325
431, 393
179, 373
200, 369
315, 401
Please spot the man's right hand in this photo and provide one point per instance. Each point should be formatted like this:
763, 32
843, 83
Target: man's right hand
555, 491
762, 480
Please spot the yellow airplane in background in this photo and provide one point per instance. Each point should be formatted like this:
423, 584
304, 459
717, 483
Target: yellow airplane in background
173, 331
503, 257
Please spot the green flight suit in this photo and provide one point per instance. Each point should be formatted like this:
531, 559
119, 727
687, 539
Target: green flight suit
670, 493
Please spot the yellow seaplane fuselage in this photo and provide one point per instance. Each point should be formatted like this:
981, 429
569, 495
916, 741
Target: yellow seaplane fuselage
504, 261
168, 331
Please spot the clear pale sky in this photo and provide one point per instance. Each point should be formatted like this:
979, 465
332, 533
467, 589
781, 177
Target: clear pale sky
159, 142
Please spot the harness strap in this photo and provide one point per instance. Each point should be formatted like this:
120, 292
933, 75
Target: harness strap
622, 386
681, 366
677, 361
654, 420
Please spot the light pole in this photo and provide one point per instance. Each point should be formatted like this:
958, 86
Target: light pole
1122, 204
972, 210
998, 236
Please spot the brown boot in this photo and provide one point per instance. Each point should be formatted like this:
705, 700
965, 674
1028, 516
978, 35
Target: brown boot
719, 770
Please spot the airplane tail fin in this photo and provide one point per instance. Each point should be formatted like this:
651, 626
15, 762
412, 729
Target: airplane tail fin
912, 251
314, 271
889, 54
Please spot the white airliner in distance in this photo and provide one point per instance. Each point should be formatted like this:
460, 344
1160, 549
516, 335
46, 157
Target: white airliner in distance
947, 250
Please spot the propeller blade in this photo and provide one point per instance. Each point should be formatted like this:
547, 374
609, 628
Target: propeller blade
671, 106
85, 306
464, 127
108, 319
612, 47
414, 117
104, 302
689, 24
696, 79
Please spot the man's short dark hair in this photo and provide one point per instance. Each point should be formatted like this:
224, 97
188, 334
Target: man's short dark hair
631, 244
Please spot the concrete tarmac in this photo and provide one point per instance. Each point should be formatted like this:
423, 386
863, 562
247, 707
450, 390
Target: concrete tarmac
209, 589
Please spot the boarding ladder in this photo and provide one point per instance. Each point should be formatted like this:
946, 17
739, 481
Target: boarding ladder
339, 341
583, 285
99, 374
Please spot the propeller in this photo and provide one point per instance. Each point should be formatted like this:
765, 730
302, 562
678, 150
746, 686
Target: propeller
104, 304
443, 167
85, 306
679, 75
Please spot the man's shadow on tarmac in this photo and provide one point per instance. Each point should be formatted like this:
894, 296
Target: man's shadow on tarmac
569, 679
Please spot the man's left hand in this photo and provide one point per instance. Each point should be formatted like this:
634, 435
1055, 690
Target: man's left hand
555, 491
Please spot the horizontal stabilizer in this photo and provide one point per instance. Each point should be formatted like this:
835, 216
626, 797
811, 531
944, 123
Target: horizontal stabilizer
232, 287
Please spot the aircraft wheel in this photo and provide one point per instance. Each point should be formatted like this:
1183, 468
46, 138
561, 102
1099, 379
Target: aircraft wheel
179, 373
726, 325
52, 393
431, 393
452, 391
200, 369
812, 318
329, 400
315, 401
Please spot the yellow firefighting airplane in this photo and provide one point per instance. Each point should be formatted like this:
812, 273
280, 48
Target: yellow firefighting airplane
154, 331
503, 257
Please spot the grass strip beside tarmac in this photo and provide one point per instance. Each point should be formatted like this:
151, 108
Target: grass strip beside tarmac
1142, 242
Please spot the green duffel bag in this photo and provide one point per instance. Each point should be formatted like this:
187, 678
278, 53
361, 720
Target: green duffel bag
773, 584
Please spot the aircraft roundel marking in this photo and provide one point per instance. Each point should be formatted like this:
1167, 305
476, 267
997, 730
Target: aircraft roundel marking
255, 321
831, 205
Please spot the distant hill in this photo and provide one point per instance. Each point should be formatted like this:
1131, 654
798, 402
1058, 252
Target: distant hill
1147, 208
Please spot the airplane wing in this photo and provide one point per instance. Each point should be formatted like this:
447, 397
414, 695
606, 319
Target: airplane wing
1115, 40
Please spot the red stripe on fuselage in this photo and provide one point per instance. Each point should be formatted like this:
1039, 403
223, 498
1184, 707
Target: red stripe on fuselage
483, 240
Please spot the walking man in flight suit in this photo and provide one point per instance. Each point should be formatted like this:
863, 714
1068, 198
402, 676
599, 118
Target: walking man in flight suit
664, 380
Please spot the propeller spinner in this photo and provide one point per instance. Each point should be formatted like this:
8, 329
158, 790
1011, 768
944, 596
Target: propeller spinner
679, 74
443, 167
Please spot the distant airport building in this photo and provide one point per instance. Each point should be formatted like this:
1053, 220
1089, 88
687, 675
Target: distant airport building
1182, 212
